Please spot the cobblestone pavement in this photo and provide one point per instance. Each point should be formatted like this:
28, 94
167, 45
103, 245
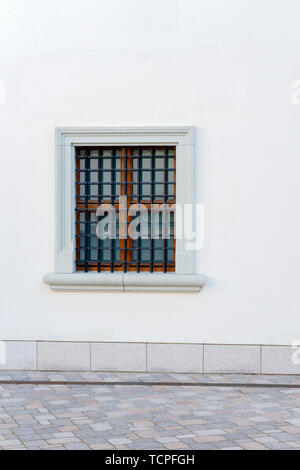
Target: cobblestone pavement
83, 416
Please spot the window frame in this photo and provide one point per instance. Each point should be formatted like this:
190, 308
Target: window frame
131, 171
66, 141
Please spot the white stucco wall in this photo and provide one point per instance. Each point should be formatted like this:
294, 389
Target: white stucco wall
226, 67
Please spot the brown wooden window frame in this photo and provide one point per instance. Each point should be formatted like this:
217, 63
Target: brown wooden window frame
87, 205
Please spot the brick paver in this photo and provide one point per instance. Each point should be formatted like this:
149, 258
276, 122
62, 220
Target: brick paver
82, 416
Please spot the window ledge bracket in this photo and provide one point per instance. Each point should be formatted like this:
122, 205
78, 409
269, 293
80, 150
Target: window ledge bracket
125, 282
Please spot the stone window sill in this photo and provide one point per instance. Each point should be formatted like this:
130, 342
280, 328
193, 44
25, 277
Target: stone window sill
125, 282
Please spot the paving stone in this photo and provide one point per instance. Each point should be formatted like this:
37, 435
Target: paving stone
253, 446
34, 445
63, 440
167, 440
102, 446
209, 432
120, 441
212, 439
151, 417
76, 446
10, 442
146, 445
176, 445
101, 427
63, 434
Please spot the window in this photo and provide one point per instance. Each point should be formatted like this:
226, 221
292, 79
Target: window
118, 180
146, 176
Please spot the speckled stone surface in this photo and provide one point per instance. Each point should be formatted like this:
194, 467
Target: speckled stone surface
119, 416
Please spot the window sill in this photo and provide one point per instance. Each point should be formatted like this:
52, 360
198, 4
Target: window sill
147, 282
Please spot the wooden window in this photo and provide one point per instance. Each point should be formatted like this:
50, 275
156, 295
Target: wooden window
147, 177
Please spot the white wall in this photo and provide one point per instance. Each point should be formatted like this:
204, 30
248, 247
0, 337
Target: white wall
225, 67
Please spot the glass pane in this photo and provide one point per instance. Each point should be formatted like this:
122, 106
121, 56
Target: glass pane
159, 190
145, 243
106, 255
105, 250
145, 255
159, 163
171, 162
146, 176
146, 162
135, 189
93, 164
93, 190
94, 178
159, 176
158, 244
134, 250
144, 227
106, 176
170, 255
106, 189
94, 255
158, 255
155, 231
106, 243
106, 164
146, 190
171, 175
170, 243
94, 242
171, 190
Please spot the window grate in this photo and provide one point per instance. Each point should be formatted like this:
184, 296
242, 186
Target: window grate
147, 177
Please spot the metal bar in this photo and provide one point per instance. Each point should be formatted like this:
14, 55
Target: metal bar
129, 193
109, 170
153, 196
139, 202
113, 192
125, 193
100, 182
87, 217
165, 253
121, 216
77, 214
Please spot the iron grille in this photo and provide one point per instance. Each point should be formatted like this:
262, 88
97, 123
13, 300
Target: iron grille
146, 176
